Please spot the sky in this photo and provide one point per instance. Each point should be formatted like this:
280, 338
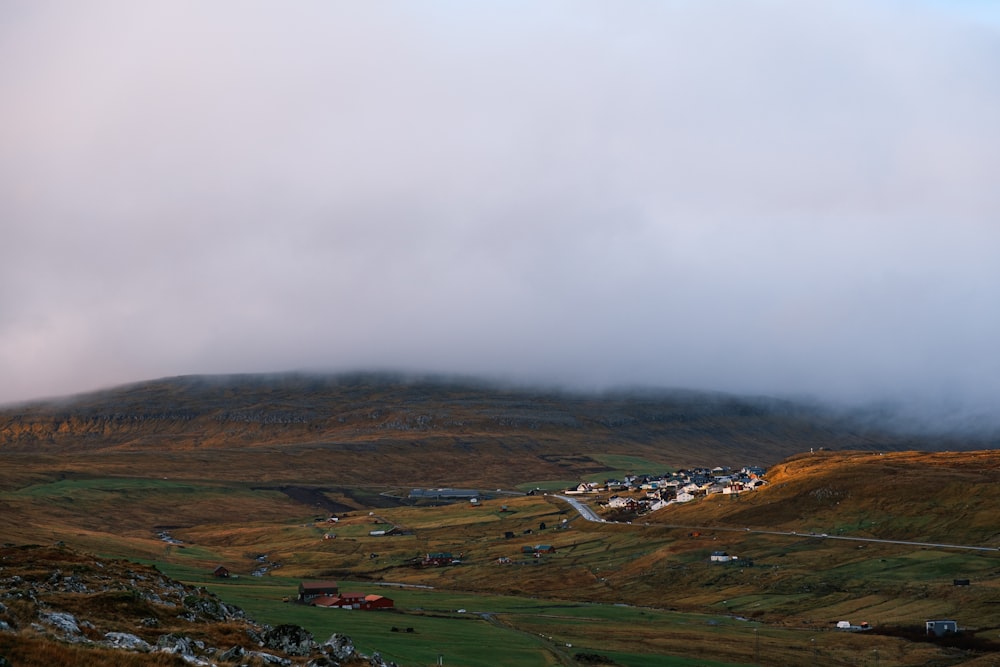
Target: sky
774, 197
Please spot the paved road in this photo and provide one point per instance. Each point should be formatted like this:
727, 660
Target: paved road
590, 515
585, 512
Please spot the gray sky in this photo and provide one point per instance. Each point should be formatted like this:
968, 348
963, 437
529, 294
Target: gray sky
769, 197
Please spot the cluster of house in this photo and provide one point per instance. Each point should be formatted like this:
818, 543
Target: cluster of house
327, 594
653, 492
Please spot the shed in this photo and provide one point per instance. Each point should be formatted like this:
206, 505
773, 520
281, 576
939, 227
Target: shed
221, 572
941, 628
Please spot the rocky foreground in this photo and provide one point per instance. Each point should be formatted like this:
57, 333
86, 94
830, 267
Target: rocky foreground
78, 607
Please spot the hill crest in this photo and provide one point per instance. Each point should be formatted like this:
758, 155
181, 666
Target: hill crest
424, 424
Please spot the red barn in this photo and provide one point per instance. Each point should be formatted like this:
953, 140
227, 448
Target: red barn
353, 601
377, 602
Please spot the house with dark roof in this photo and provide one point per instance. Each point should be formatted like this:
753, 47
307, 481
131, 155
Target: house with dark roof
310, 590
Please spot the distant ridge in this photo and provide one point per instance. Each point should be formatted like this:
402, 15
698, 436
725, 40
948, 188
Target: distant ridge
492, 425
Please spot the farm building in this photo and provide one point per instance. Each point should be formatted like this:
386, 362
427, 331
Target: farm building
377, 602
440, 558
941, 628
354, 601
221, 572
720, 557
310, 590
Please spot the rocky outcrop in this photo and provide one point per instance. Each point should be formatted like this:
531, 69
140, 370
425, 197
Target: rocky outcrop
64, 623
127, 641
340, 647
290, 639
73, 598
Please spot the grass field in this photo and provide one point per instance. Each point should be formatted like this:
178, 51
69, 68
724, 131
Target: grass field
467, 629
642, 594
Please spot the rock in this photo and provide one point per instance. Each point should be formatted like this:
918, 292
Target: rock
377, 661
339, 646
255, 634
175, 644
269, 659
65, 623
73, 584
211, 608
126, 641
233, 654
290, 639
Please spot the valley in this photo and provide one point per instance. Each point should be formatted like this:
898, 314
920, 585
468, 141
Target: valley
837, 534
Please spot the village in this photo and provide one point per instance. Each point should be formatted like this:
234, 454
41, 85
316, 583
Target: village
633, 495
641, 494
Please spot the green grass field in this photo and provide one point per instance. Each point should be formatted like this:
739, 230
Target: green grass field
681, 608
467, 629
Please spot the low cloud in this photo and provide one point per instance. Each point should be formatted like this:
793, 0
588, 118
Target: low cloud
748, 197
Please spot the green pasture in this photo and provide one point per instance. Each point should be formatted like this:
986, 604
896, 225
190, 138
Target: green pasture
490, 629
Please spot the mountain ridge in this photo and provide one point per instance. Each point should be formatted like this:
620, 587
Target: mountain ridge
338, 412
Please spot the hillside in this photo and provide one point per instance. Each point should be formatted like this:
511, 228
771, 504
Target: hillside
916, 496
793, 582
378, 428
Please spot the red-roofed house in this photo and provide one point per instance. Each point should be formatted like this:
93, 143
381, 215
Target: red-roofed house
378, 602
353, 601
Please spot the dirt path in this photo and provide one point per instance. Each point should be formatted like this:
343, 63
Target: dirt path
557, 651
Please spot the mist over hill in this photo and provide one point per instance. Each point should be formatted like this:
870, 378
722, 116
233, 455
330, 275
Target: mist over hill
447, 417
